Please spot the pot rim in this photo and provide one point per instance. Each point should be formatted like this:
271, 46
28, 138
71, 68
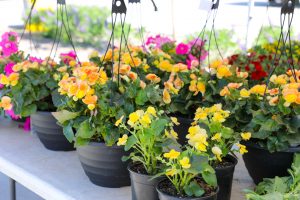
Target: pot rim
251, 143
187, 198
234, 163
131, 171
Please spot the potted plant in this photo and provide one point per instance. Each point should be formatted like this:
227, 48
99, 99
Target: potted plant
287, 187
150, 133
188, 176
272, 116
93, 100
31, 85
220, 142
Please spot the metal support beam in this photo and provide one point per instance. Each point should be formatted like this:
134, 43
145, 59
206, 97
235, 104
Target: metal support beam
12, 189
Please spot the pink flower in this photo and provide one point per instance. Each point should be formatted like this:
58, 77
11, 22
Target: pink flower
10, 37
67, 57
27, 124
8, 69
12, 114
182, 49
35, 59
1, 86
158, 41
8, 48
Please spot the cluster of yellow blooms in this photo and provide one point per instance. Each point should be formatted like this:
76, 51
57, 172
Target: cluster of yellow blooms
221, 69
79, 86
5, 103
11, 80
197, 85
173, 155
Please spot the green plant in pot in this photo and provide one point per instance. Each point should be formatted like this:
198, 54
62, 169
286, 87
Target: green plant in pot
150, 133
31, 87
220, 142
92, 102
281, 188
188, 176
272, 116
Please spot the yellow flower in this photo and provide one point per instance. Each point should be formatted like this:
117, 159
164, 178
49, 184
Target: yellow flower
171, 172
223, 71
218, 117
91, 101
145, 120
258, 89
119, 121
243, 149
217, 137
172, 134
175, 121
4, 79
165, 65
200, 147
122, 141
151, 110
246, 135
13, 79
5, 103
133, 118
173, 154
217, 152
185, 163
244, 93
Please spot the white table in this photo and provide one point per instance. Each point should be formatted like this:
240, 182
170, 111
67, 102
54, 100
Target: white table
51, 175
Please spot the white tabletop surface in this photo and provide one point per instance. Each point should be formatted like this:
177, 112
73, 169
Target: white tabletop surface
51, 175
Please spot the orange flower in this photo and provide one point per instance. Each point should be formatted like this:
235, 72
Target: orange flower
225, 91
93, 78
152, 77
142, 84
258, 89
273, 91
166, 97
91, 101
82, 89
5, 103
132, 76
124, 69
273, 101
234, 85
223, 71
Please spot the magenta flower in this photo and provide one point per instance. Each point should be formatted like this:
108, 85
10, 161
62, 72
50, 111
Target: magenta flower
8, 69
67, 57
182, 49
35, 59
158, 41
27, 124
1, 86
10, 37
12, 114
8, 48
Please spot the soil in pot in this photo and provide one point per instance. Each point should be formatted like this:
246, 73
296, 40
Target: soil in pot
50, 134
103, 165
142, 186
261, 164
167, 191
224, 173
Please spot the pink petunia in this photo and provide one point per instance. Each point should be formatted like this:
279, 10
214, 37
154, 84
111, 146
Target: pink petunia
10, 37
27, 124
12, 114
67, 57
8, 69
182, 49
8, 48
35, 59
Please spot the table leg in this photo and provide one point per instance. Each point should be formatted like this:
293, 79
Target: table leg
12, 189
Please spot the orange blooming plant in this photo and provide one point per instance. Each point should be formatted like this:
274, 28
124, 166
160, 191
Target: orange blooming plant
95, 97
270, 113
30, 85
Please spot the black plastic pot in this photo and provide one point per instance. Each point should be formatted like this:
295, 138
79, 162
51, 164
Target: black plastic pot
103, 164
182, 129
49, 133
261, 164
225, 177
142, 186
164, 196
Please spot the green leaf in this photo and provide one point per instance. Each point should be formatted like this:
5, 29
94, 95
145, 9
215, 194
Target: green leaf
193, 189
64, 115
85, 130
158, 126
209, 176
130, 143
141, 98
28, 110
68, 132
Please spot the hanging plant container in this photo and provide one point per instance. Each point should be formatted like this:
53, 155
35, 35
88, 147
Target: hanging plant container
182, 129
224, 175
261, 164
103, 165
49, 133
166, 184
142, 186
